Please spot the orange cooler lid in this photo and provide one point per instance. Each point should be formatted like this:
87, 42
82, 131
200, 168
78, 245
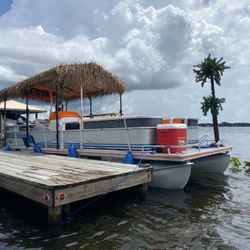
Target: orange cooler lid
63, 114
172, 126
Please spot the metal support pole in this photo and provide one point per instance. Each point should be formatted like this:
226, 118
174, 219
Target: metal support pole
81, 124
66, 105
61, 137
57, 119
120, 105
4, 126
90, 107
15, 132
0, 122
27, 119
51, 101
127, 133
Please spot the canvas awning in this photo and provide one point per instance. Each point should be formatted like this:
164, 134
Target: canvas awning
66, 80
19, 107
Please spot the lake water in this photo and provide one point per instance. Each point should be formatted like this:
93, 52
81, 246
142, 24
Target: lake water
210, 213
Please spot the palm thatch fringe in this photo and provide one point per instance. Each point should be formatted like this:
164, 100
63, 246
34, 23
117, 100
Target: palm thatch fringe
68, 78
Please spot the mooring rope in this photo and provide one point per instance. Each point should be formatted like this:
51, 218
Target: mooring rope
70, 217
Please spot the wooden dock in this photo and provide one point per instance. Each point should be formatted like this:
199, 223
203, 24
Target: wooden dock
57, 181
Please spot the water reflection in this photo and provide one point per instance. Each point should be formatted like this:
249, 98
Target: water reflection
201, 216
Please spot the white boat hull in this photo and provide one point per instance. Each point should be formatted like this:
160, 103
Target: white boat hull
167, 175
211, 164
170, 177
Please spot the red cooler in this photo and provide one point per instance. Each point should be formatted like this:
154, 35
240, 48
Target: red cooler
172, 135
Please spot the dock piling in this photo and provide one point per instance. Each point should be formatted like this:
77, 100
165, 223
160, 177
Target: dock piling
55, 214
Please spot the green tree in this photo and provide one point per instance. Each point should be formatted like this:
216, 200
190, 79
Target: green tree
211, 69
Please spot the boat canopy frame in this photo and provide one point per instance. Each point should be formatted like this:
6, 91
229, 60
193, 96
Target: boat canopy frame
66, 82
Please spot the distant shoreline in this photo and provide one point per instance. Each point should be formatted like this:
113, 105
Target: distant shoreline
226, 124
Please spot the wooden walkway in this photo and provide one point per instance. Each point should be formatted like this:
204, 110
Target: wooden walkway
57, 181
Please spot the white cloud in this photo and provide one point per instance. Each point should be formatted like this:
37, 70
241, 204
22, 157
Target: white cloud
8, 75
151, 45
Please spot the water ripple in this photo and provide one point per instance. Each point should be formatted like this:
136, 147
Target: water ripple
211, 213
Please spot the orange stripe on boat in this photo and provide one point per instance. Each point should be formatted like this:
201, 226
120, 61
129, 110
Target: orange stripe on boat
63, 114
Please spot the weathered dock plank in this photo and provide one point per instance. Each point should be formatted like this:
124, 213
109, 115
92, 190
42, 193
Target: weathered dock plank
56, 181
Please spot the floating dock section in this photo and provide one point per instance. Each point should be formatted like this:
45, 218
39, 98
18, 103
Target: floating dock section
57, 181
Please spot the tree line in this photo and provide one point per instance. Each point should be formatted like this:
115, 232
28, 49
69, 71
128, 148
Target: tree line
227, 124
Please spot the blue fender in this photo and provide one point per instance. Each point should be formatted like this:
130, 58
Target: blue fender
72, 152
129, 158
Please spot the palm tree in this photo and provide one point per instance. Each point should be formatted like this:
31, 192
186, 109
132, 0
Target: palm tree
211, 69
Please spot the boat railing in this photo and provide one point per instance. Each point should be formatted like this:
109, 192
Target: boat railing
103, 114
203, 139
153, 148
16, 129
168, 148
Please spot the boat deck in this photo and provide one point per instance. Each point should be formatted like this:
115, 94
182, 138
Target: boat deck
56, 181
188, 155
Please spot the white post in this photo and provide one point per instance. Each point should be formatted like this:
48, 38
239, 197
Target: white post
81, 124
62, 136
168, 148
186, 121
51, 102
127, 134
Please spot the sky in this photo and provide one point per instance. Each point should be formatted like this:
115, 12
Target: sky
151, 45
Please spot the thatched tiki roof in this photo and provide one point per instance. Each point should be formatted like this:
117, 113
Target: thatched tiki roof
67, 79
